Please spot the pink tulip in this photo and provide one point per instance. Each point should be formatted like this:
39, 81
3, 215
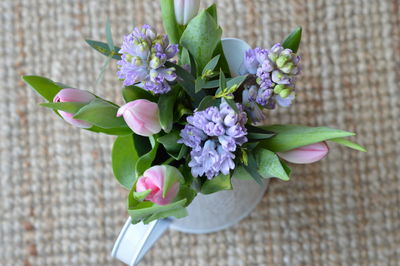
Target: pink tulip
142, 116
155, 179
73, 95
306, 154
185, 10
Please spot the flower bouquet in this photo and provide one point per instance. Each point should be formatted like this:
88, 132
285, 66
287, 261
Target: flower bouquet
196, 111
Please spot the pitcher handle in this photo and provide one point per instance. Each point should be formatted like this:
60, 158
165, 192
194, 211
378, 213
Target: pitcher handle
136, 239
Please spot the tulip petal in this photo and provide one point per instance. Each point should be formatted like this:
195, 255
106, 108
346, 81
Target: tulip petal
306, 154
234, 50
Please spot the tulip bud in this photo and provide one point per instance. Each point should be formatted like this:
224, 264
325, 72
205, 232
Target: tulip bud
306, 154
142, 116
185, 10
163, 181
73, 95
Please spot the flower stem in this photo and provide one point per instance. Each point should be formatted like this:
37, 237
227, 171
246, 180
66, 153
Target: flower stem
170, 159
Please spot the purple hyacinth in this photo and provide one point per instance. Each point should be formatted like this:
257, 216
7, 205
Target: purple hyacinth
214, 135
144, 54
274, 74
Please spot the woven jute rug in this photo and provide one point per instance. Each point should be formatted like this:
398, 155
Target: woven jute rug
59, 202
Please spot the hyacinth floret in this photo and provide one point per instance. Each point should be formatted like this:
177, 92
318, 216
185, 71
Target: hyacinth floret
144, 54
274, 72
213, 136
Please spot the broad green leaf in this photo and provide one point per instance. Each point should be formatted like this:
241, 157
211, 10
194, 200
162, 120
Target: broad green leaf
145, 209
121, 131
210, 66
207, 102
255, 133
170, 142
132, 93
286, 167
201, 37
289, 137
293, 40
47, 88
269, 165
193, 65
101, 113
144, 162
104, 49
171, 27
177, 213
110, 41
241, 173
186, 192
166, 104
349, 144
218, 183
212, 10
252, 169
124, 157
69, 107
182, 153
222, 63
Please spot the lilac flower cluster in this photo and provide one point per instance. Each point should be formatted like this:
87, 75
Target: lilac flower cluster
144, 54
213, 135
274, 73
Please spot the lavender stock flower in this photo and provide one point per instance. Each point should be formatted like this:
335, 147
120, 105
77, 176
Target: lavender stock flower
144, 54
214, 134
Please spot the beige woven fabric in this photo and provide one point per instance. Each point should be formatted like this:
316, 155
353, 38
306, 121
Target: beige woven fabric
60, 205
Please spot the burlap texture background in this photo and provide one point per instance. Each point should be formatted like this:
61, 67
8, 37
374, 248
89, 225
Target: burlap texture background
59, 202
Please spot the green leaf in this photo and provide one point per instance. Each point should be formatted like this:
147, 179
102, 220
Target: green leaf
292, 41
222, 81
172, 175
207, 102
211, 64
124, 157
232, 104
289, 137
252, 169
269, 165
109, 35
201, 37
212, 10
145, 209
171, 27
222, 63
349, 144
193, 65
241, 173
177, 213
187, 82
256, 133
101, 113
132, 93
69, 107
47, 88
121, 131
218, 183
144, 162
166, 104
170, 142
286, 168
199, 83
141, 195
236, 81
104, 49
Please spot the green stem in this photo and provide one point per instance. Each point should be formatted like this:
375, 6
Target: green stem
170, 159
